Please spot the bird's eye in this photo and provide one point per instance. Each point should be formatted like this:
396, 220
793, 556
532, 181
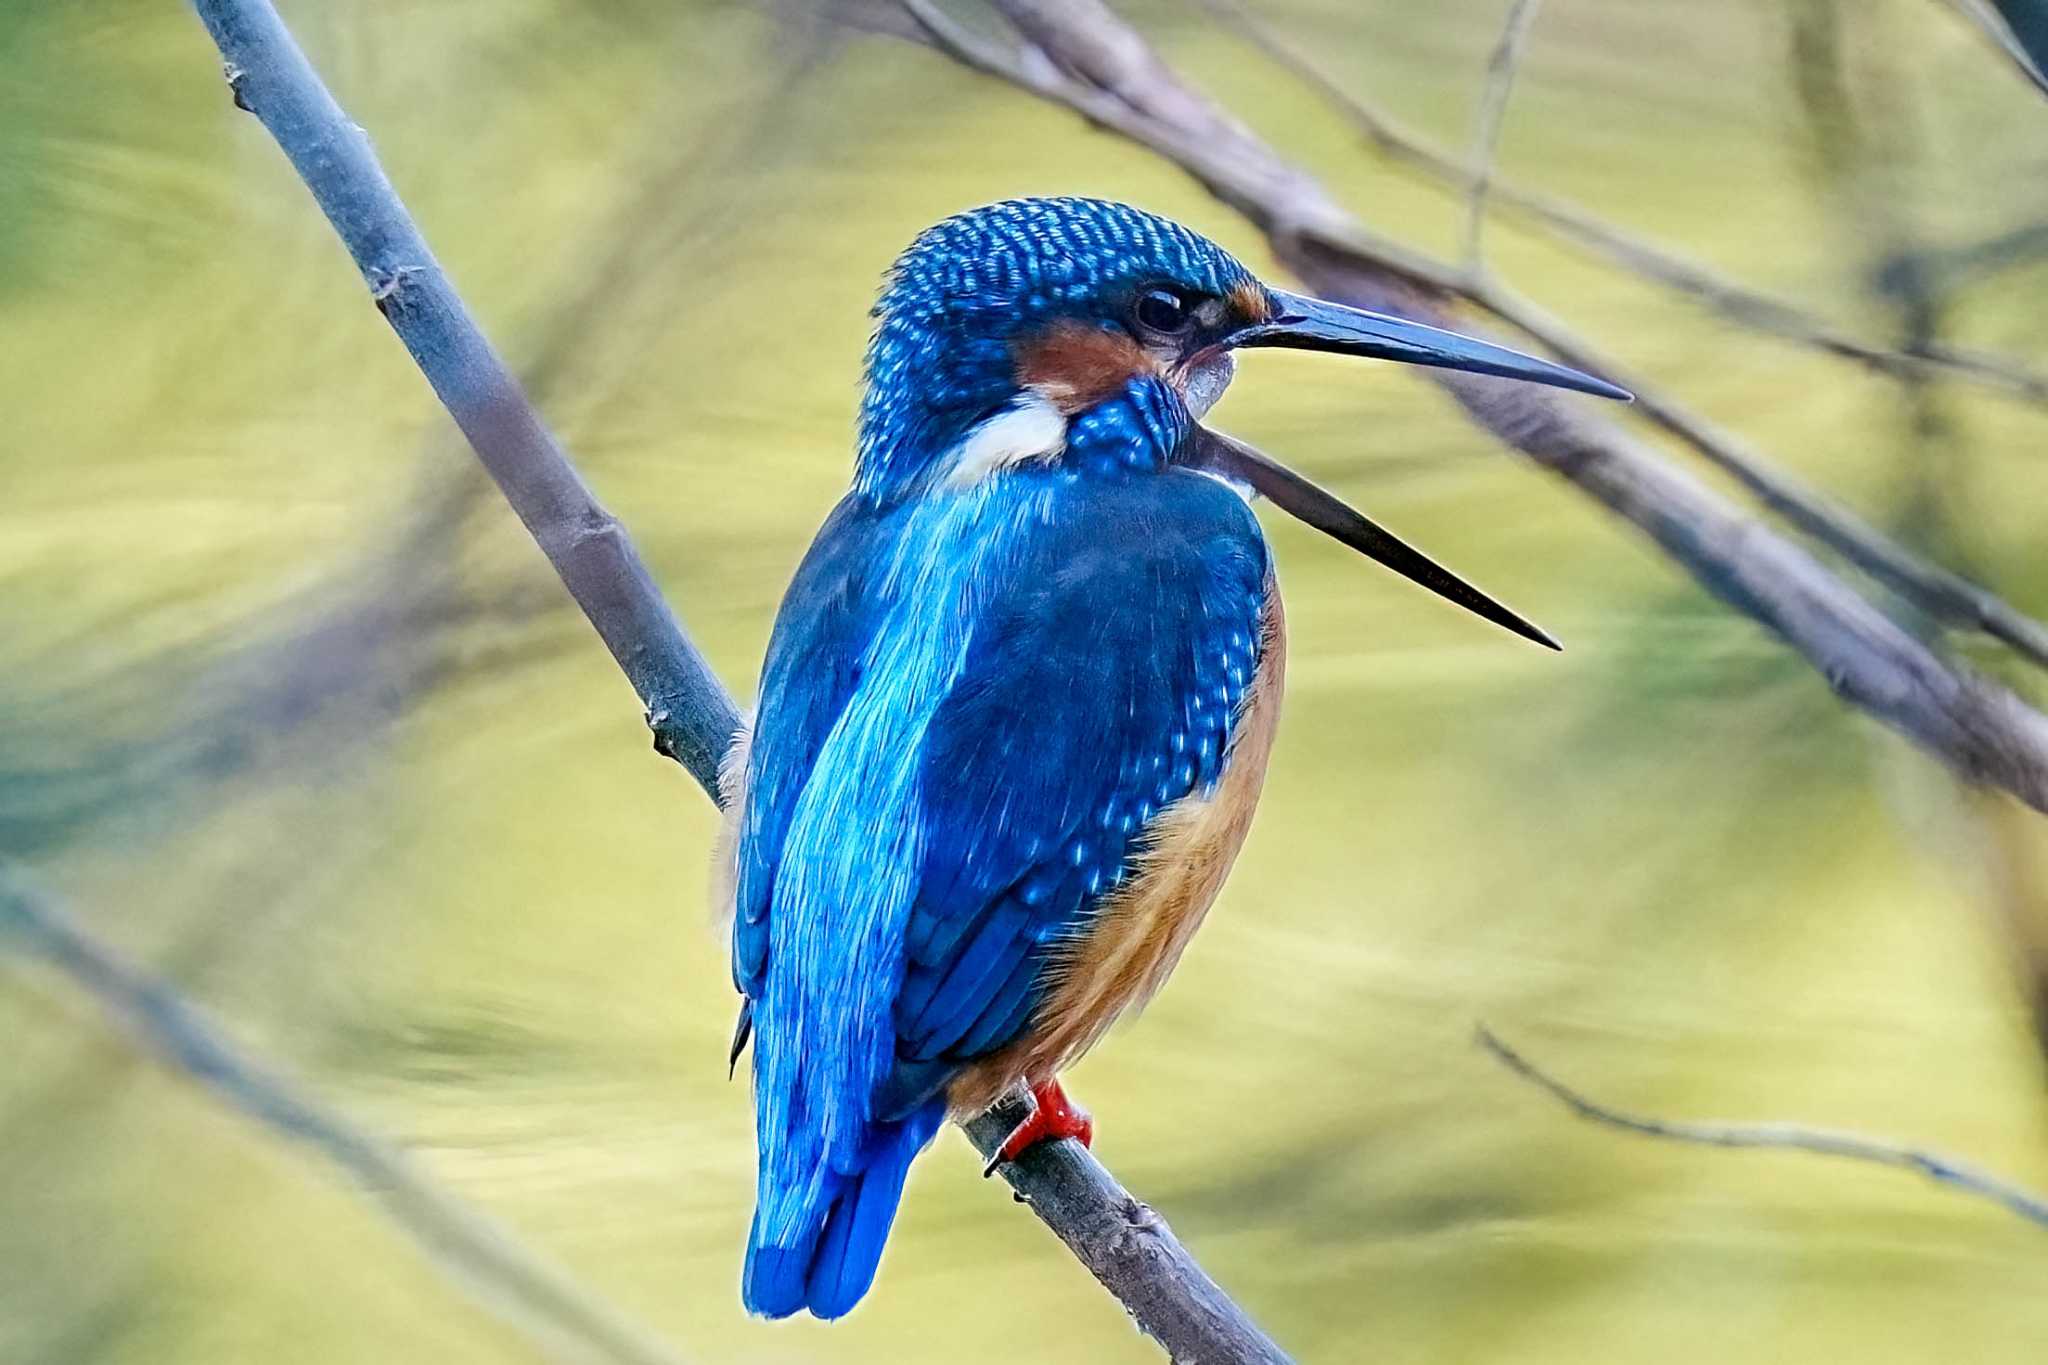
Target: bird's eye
1162, 310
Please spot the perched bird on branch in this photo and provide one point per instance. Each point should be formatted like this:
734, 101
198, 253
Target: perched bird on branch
1017, 706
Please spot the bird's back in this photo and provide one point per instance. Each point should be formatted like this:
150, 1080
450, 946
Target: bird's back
976, 709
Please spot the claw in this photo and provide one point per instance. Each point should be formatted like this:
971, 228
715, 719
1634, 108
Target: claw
1053, 1116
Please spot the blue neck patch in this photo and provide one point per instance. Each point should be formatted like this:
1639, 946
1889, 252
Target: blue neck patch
1141, 428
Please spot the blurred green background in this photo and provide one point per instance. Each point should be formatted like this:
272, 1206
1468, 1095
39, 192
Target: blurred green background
292, 711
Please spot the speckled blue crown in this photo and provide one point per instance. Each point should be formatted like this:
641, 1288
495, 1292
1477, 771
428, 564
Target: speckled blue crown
967, 287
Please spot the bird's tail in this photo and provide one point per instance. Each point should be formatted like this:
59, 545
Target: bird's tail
827, 1260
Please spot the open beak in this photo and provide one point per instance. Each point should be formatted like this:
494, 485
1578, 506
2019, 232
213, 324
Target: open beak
1306, 324
1291, 493
1313, 325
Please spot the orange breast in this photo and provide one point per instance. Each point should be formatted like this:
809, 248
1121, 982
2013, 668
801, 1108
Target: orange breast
1138, 934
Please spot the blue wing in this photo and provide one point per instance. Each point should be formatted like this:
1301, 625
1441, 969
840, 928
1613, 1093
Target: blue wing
819, 1223
971, 708
1102, 681
1101, 686
828, 617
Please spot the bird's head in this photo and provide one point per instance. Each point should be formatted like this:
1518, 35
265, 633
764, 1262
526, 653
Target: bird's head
1092, 336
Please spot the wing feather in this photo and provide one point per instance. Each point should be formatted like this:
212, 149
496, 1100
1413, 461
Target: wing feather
1097, 688
822, 632
1096, 694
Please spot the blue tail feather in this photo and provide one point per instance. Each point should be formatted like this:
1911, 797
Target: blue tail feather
831, 1262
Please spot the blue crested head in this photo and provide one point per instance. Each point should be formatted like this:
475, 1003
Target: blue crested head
1090, 332
1090, 337
1067, 304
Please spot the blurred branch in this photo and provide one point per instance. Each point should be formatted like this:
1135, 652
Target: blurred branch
1781, 1137
484, 1260
1493, 108
330, 666
1992, 21
1730, 299
1871, 159
1079, 54
402, 596
690, 714
336, 663
1958, 267
1129, 1250
1946, 596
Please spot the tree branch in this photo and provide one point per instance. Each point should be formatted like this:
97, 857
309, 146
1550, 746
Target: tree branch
1493, 108
1077, 60
1731, 299
1126, 1246
483, 1259
1128, 1249
1948, 597
1781, 1137
1083, 56
692, 718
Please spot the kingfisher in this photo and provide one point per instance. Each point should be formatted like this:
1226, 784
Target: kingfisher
1018, 701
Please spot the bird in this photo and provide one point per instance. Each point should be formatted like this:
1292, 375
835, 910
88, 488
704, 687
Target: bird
1017, 703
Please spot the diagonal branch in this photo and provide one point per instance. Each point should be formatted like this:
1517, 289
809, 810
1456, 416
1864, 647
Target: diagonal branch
690, 714
483, 1259
1731, 299
1083, 56
1946, 596
1149, 104
1790, 1137
1128, 1248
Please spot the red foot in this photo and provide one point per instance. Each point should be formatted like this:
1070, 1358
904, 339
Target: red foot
1053, 1116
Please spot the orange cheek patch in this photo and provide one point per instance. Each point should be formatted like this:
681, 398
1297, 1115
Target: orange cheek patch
1077, 366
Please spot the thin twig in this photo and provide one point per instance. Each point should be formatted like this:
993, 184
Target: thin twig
1084, 57
1732, 300
480, 1257
1134, 1255
1493, 108
1780, 1137
1992, 25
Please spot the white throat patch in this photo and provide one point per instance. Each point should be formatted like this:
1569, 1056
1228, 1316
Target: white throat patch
1029, 429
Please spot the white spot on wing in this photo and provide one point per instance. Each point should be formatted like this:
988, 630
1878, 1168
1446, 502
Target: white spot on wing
1029, 429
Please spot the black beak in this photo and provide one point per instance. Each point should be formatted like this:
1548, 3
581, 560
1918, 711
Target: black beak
1307, 324
1291, 493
